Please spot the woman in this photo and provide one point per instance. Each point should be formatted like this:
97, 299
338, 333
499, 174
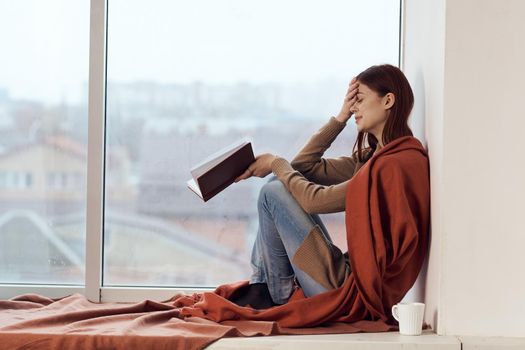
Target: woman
380, 98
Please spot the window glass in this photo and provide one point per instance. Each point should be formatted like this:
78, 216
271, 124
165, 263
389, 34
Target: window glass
43, 132
186, 78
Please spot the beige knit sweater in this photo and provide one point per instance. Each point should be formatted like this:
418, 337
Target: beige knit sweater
319, 184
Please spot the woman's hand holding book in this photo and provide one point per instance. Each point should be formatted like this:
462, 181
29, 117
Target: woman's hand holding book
261, 167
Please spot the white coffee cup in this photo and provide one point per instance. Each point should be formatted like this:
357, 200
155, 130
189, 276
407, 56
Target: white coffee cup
410, 317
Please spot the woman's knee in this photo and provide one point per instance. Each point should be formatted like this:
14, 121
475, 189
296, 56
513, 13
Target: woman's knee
273, 177
272, 190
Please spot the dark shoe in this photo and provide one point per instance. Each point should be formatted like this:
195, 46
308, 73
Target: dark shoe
256, 295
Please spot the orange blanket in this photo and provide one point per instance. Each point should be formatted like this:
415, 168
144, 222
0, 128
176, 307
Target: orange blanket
387, 221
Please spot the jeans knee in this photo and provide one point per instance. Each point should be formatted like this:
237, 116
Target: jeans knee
273, 177
271, 189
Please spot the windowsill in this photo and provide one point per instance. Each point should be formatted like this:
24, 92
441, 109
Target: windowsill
428, 340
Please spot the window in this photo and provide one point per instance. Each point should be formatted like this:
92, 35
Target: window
43, 74
204, 74
29, 180
169, 83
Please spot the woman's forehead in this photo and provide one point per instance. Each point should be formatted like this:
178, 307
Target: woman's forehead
362, 89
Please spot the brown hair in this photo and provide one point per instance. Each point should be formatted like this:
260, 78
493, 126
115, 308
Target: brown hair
383, 79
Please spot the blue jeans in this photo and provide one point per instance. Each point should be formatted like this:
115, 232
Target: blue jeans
283, 225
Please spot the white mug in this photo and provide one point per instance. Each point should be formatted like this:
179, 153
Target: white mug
410, 317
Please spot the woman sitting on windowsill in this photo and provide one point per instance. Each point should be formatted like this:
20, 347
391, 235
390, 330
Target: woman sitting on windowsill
293, 248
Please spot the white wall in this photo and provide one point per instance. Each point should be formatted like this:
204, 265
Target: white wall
423, 62
464, 60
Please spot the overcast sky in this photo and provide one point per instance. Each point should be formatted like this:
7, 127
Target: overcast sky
45, 44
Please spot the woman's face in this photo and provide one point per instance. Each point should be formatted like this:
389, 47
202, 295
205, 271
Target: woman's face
371, 111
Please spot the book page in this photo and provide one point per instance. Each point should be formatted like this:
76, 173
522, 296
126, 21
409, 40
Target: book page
194, 187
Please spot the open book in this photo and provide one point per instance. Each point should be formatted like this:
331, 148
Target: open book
219, 170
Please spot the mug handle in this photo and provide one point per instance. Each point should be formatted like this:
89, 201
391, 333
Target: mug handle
394, 312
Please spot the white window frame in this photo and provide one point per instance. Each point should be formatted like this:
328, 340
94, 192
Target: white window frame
94, 288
